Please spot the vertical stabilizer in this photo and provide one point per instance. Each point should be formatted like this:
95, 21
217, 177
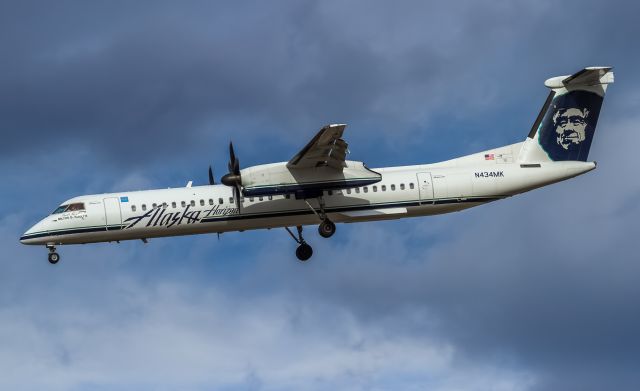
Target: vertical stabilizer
567, 122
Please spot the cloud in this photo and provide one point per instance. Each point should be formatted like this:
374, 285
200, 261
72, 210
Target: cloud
95, 324
138, 83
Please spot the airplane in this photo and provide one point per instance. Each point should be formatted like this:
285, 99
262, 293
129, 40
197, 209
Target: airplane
319, 186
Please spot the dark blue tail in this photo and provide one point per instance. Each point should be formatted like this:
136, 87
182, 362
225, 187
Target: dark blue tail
567, 122
568, 126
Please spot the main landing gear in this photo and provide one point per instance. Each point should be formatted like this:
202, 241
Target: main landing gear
304, 251
326, 229
53, 255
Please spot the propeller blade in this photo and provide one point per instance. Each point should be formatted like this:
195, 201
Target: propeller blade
236, 167
233, 178
212, 181
236, 193
232, 158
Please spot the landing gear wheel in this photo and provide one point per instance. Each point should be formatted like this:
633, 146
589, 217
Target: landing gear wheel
304, 252
327, 228
53, 258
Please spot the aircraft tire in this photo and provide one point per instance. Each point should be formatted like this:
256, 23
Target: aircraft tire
304, 252
54, 258
327, 228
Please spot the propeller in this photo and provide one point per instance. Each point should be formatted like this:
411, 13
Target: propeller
212, 181
233, 178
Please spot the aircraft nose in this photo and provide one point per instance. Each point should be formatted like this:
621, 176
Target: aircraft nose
25, 236
29, 236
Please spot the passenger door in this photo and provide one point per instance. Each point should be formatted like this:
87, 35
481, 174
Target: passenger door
112, 215
425, 186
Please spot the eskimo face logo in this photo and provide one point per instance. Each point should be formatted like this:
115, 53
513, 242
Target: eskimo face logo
570, 125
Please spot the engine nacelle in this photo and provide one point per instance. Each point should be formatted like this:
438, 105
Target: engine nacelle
277, 178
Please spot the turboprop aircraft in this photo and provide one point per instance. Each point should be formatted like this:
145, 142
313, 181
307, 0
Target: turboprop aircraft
319, 186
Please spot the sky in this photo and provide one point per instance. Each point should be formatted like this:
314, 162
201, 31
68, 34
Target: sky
536, 292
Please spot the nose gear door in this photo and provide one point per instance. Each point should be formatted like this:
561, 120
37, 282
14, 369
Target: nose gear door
112, 214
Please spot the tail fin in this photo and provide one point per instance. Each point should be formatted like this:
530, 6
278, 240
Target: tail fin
566, 124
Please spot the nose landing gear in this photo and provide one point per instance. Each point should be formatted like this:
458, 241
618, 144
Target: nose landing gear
53, 255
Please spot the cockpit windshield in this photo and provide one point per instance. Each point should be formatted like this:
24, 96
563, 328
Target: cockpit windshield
69, 208
60, 209
74, 207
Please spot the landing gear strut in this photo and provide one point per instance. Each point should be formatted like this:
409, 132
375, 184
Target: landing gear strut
53, 255
327, 228
304, 251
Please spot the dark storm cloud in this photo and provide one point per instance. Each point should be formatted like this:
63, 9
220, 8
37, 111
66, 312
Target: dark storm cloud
147, 79
546, 281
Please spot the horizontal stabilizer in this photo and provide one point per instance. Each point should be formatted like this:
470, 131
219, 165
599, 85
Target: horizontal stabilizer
589, 76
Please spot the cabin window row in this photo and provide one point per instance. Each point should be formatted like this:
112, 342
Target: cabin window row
192, 203
183, 204
375, 188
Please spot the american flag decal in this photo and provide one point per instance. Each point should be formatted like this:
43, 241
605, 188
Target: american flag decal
489, 156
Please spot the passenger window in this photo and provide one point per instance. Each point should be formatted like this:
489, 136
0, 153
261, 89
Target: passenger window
411, 186
173, 204
375, 189
250, 199
154, 206
358, 190
330, 192
383, 187
287, 196
144, 207
231, 200
270, 197
402, 186
210, 201
193, 203
348, 191
393, 187
365, 189
183, 204
260, 198
133, 208
164, 205
201, 202
220, 201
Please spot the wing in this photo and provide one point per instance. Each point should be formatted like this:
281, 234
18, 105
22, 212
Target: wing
327, 148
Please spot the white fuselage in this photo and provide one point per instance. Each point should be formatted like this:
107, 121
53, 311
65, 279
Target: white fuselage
407, 191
